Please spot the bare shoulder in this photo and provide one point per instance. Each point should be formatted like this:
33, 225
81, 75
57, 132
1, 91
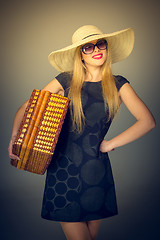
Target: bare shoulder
54, 86
126, 92
129, 97
133, 102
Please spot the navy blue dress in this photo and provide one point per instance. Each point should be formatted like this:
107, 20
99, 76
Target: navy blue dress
79, 182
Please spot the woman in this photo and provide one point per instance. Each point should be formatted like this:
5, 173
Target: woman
79, 189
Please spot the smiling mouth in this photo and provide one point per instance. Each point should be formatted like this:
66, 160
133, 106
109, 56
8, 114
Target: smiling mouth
98, 56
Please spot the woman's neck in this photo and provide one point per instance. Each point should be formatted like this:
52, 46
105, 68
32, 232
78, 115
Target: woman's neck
93, 75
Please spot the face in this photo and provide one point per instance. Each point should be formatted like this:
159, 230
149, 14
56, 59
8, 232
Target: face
94, 53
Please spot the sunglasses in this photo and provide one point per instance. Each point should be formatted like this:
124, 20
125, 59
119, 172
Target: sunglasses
88, 48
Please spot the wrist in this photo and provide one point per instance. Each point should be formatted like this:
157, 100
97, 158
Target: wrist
112, 144
106, 146
13, 137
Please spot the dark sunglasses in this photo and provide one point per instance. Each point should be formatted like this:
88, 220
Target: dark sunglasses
88, 48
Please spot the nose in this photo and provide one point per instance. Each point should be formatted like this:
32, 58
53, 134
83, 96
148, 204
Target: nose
96, 49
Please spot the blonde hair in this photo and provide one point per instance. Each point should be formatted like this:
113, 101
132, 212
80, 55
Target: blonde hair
110, 93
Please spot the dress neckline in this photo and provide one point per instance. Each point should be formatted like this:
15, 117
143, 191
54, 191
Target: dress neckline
92, 82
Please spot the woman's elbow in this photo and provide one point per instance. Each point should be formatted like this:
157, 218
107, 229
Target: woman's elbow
147, 122
151, 123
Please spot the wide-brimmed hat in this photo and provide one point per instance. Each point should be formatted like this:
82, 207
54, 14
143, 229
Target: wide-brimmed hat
120, 45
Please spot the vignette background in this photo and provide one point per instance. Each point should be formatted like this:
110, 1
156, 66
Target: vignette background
30, 31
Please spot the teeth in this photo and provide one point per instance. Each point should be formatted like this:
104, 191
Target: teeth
99, 55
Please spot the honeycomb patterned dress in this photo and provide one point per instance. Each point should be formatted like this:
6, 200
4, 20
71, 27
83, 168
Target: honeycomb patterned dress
79, 182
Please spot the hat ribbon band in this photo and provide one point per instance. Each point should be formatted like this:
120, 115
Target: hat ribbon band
90, 36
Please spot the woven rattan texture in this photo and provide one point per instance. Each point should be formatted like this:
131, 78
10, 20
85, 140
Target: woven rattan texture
39, 131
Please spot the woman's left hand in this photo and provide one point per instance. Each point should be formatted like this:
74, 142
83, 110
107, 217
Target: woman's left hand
106, 146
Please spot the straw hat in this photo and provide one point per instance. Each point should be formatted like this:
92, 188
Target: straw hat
120, 45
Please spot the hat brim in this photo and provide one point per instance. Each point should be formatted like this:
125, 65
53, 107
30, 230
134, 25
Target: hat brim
120, 45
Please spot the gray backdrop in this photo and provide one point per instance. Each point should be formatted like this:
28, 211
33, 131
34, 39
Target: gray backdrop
30, 31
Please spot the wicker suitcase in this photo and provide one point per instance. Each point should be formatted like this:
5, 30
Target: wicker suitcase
39, 131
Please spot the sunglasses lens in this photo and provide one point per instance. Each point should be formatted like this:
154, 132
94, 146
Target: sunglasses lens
88, 48
102, 44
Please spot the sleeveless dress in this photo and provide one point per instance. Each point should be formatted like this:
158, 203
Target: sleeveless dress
79, 182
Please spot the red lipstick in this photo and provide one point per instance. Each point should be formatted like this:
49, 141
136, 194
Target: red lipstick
98, 56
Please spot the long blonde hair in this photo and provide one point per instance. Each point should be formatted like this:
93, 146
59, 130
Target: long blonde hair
110, 93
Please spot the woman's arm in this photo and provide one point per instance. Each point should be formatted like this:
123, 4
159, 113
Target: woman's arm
16, 123
55, 87
145, 120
